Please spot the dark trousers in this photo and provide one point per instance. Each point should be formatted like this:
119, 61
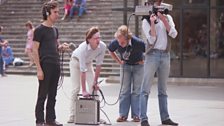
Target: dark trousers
47, 90
1, 64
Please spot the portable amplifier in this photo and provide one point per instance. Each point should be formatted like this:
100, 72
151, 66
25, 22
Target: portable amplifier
87, 111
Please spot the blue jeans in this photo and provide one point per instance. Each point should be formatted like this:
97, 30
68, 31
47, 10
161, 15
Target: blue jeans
74, 9
155, 62
131, 77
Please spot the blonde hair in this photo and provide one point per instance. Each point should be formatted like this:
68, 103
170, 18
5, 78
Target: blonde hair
123, 31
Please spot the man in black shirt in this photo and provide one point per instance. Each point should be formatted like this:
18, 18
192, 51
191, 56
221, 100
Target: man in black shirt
47, 60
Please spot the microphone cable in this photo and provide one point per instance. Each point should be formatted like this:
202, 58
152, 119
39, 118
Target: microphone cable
61, 78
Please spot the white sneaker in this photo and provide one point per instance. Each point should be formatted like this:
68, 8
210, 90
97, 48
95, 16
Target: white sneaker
3, 75
71, 119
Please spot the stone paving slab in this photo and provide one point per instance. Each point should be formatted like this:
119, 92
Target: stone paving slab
189, 105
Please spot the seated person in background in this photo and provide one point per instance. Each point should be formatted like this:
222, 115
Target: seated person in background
7, 54
29, 42
78, 6
67, 8
2, 43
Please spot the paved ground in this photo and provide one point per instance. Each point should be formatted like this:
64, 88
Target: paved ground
191, 103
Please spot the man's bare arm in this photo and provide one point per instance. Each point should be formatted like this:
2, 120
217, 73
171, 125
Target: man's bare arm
36, 59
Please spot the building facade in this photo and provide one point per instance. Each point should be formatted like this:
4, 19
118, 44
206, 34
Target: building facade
198, 50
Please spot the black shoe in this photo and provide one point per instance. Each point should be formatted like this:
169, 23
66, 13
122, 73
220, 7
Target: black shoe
169, 122
54, 123
145, 123
40, 124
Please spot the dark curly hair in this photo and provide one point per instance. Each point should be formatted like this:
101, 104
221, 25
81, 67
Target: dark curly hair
46, 9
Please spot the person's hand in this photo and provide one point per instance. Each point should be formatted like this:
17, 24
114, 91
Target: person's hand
63, 47
161, 16
96, 87
40, 74
85, 94
153, 18
122, 62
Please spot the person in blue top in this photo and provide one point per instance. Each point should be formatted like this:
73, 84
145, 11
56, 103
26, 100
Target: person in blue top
7, 54
2, 43
130, 49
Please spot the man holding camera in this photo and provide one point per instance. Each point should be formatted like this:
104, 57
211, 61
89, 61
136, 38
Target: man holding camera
157, 60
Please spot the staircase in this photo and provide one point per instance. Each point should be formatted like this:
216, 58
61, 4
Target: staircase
14, 14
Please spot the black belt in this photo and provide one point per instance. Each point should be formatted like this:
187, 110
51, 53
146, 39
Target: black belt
158, 50
136, 63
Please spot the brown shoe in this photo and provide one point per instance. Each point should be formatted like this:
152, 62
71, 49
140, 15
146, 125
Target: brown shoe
40, 124
136, 119
122, 119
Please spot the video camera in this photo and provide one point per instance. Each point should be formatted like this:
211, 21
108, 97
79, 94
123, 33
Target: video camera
160, 9
150, 8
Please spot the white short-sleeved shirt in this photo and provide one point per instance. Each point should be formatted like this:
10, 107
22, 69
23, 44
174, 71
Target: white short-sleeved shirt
86, 54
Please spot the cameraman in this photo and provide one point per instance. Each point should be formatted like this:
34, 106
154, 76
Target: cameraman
157, 60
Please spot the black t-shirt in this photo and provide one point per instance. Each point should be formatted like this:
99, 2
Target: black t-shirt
135, 50
47, 37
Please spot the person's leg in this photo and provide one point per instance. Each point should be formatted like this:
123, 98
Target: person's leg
4, 64
54, 74
30, 55
138, 71
150, 67
72, 11
66, 11
125, 95
81, 11
1, 65
42, 94
163, 74
90, 78
75, 82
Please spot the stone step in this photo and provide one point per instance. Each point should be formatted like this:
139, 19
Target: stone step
14, 13
25, 70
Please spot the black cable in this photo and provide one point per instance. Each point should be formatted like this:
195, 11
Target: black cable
61, 79
106, 117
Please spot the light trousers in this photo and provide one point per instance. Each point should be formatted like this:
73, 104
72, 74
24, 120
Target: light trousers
76, 82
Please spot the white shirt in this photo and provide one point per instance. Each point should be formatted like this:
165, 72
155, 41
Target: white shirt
161, 33
86, 54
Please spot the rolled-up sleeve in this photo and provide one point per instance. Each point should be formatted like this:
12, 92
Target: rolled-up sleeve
173, 32
100, 57
82, 62
146, 30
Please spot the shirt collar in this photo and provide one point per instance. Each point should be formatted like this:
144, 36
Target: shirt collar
129, 43
89, 47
